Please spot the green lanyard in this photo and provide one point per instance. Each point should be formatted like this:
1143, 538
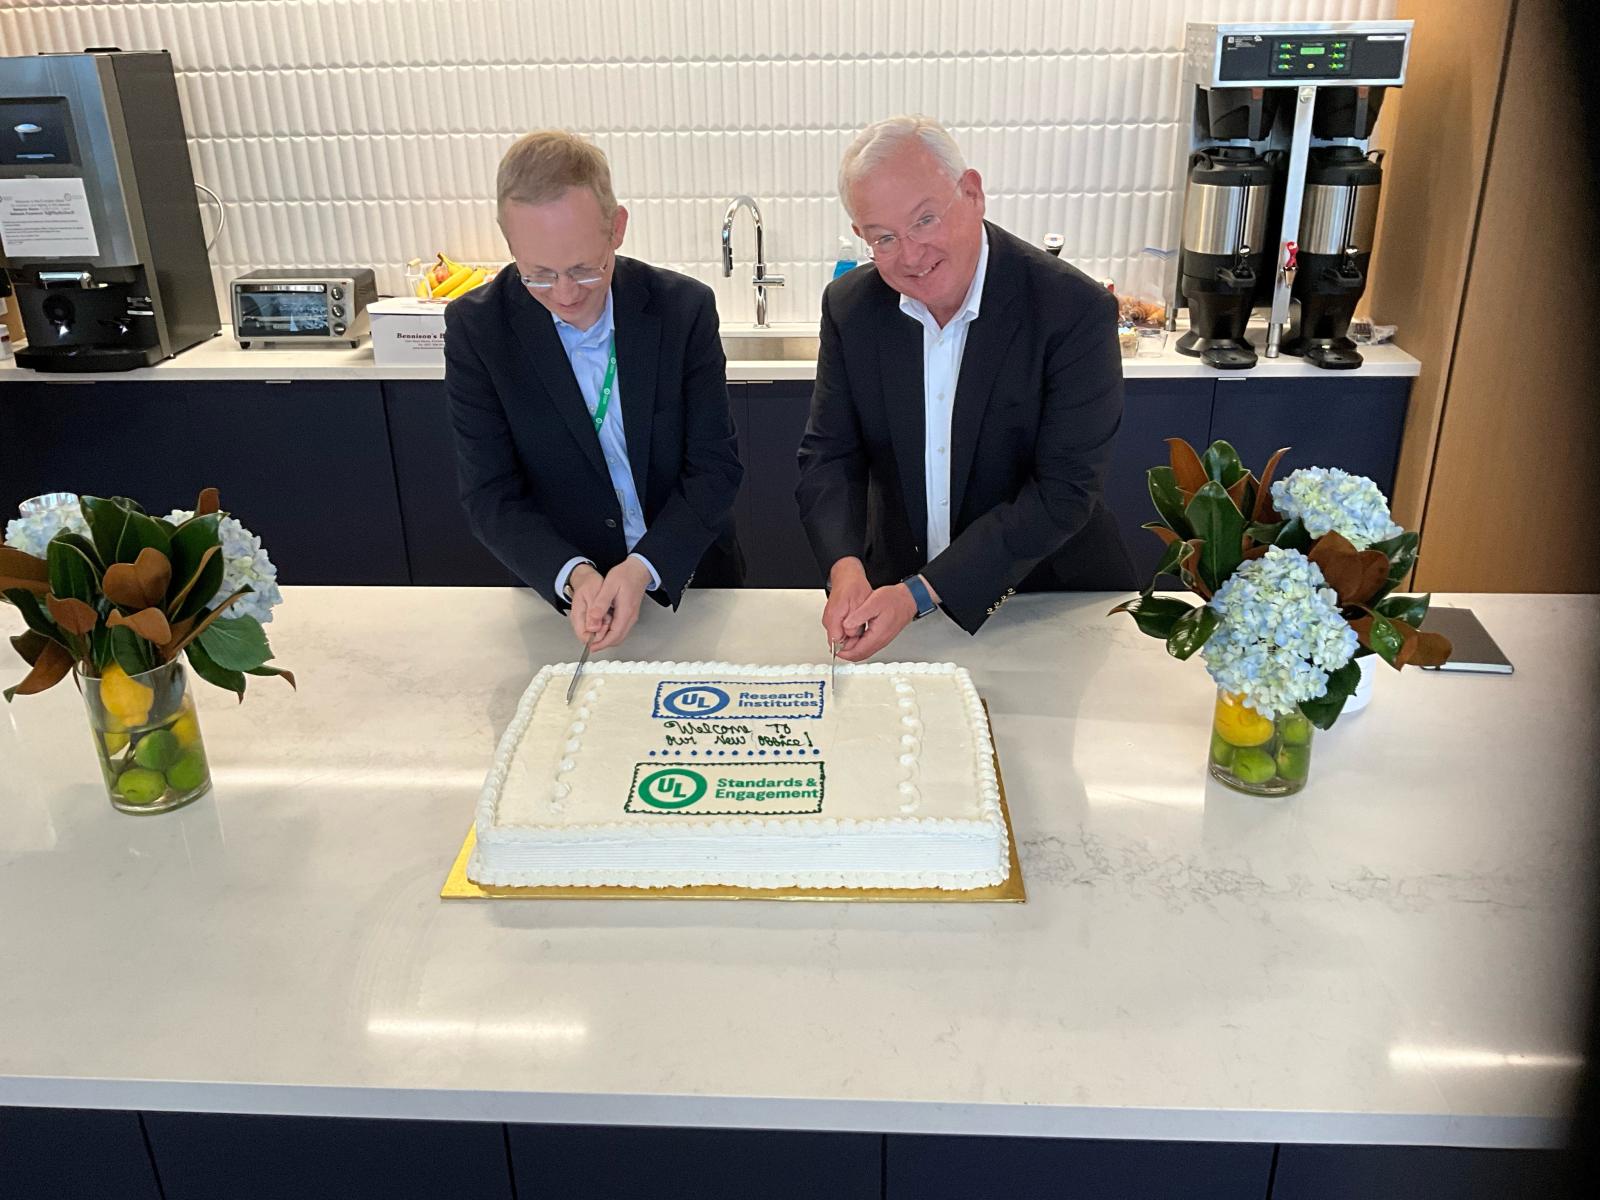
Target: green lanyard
606, 387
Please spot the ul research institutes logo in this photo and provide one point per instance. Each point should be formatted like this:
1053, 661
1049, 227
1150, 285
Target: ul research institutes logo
696, 700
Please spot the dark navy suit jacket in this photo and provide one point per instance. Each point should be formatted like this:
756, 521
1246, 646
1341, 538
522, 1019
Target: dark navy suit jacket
1037, 406
533, 480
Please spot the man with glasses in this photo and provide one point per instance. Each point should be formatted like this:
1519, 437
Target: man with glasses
969, 386
587, 392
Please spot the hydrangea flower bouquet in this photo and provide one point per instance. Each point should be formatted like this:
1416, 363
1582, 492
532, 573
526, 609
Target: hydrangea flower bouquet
1295, 579
120, 598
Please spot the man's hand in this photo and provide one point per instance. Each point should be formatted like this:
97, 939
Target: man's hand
615, 608
881, 617
847, 589
585, 583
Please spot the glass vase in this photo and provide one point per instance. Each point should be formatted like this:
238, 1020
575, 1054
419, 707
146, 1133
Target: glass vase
147, 737
1258, 755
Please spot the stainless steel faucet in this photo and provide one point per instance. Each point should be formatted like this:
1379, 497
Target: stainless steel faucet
760, 279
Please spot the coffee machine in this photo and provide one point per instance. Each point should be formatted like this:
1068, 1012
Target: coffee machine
1281, 191
99, 223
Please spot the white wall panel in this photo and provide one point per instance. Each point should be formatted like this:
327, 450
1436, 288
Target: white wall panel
363, 132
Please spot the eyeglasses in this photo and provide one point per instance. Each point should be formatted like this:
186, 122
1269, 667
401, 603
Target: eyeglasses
545, 280
921, 231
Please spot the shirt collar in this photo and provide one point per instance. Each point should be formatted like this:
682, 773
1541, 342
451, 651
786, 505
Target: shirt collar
969, 307
597, 334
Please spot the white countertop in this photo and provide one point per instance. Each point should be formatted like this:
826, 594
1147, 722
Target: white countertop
222, 359
1390, 957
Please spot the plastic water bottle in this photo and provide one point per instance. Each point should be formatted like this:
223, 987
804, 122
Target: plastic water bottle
846, 258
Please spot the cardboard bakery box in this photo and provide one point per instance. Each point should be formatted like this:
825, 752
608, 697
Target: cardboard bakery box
407, 332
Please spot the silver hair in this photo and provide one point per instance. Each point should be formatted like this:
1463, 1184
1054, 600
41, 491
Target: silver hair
882, 139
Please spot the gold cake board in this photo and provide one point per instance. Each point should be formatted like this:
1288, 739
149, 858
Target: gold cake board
458, 887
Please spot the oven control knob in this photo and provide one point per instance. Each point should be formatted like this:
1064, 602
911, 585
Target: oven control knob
338, 330
338, 310
337, 293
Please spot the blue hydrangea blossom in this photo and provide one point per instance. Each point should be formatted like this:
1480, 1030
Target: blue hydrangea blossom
1279, 633
1328, 499
244, 562
41, 519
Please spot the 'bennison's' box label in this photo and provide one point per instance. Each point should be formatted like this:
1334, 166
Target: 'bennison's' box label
734, 790
741, 700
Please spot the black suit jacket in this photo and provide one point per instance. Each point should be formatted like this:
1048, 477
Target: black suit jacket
533, 479
1037, 406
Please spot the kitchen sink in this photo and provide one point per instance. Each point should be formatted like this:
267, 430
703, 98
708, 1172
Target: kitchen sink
770, 347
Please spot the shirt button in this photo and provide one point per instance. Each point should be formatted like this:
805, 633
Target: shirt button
941, 449
610, 524
944, 504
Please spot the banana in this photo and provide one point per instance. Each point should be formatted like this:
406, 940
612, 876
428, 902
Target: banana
466, 285
455, 280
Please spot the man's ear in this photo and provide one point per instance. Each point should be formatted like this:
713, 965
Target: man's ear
619, 226
972, 187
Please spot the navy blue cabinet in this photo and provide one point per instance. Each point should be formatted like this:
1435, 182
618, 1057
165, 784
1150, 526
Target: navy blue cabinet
74, 1154
580, 1162
958, 1168
1333, 421
306, 465
440, 547
219, 1156
1416, 1172
776, 551
1154, 410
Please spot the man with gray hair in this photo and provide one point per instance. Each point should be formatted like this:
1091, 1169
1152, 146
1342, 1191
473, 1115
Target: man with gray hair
969, 388
588, 397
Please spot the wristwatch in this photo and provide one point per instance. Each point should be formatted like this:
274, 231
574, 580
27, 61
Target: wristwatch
919, 593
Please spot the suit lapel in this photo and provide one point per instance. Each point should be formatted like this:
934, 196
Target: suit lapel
638, 365
988, 338
546, 362
900, 363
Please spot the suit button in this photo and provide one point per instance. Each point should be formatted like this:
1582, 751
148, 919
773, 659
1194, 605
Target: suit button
610, 524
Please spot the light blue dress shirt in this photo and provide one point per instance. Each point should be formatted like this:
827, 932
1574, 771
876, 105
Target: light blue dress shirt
588, 352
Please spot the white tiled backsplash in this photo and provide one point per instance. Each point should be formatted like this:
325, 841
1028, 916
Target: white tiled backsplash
363, 132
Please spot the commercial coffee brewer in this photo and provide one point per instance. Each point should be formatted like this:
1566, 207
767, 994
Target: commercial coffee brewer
1281, 190
99, 222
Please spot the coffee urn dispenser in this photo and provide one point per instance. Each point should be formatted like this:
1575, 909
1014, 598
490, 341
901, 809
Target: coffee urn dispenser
99, 222
1299, 102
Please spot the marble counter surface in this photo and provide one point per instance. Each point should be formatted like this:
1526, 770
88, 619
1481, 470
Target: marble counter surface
1393, 956
221, 359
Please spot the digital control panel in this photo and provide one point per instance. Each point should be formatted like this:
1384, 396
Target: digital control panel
1284, 55
1313, 56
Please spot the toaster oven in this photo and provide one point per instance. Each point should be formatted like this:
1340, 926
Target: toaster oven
294, 307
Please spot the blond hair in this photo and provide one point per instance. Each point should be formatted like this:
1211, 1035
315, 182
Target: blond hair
880, 141
542, 165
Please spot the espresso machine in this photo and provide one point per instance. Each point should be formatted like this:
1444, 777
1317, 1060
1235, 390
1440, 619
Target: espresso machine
99, 223
1281, 190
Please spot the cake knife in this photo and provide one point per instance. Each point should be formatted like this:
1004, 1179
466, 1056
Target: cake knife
572, 688
833, 671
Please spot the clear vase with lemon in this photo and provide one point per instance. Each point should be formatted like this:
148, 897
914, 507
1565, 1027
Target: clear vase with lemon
122, 601
1296, 580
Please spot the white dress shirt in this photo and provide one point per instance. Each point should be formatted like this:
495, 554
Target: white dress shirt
941, 368
588, 350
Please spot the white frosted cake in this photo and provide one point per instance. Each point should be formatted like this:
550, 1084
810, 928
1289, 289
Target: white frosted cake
674, 774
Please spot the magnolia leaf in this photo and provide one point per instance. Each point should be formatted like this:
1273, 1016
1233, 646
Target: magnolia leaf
1221, 527
148, 623
72, 614
1187, 571
1382, 636
1356, 575
1187, 470
1154, 615
1264, 511
198, 573
23, 572
73, 573
130, 651
209, 502
1293, 536
1241, 492
1325, 709
122, 587
1173, 558
1410, 609
218, 676
1431, 649
29, 644
1190, 631
238, 643
1161, 531
1256, 552
155, 575
1265, 534
200, 626
49, 669
34, 615
120, 529
1222, 465
277, 671
184, 600
1168, 499
1401, 551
